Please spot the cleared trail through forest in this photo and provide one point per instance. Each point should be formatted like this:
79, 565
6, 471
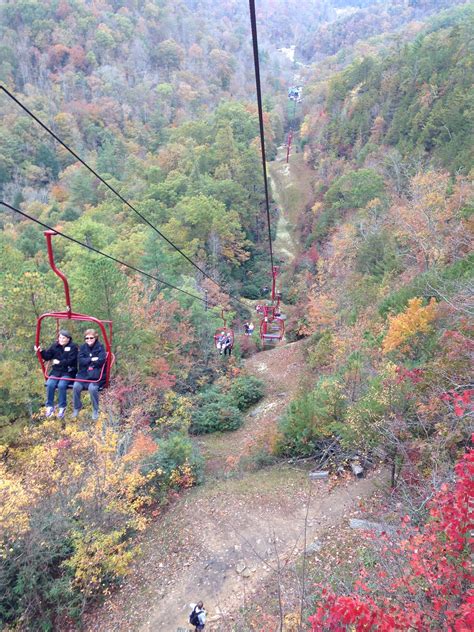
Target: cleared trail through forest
228, 524
219, 540
292, 192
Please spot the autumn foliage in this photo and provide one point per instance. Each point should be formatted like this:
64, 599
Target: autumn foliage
431, 588
416, 319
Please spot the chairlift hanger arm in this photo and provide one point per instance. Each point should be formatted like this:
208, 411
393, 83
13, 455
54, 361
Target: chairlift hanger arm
49, 234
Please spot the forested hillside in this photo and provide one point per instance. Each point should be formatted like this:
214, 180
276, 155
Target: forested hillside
384, 295
158, 97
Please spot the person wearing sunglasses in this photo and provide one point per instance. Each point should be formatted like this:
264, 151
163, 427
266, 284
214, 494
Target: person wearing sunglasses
92, 357
63, 357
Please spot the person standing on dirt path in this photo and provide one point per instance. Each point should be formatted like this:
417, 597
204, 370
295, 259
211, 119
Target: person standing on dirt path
198, 616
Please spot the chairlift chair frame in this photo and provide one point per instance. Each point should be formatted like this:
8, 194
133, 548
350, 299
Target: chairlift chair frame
68, 314
272, 325
227, 331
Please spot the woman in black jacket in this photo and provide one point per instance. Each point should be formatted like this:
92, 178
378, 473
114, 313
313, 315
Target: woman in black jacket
92, 357
63, 356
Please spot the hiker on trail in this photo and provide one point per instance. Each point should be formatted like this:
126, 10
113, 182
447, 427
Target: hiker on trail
198, 616
251, 328
246, 328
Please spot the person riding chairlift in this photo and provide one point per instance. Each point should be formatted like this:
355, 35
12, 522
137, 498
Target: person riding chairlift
92, 357
227, 345
220, 342
63, 357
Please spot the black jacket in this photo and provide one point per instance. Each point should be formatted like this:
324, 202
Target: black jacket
90, 369
67, 357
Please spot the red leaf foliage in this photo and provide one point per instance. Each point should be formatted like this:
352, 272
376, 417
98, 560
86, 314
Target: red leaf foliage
433, 590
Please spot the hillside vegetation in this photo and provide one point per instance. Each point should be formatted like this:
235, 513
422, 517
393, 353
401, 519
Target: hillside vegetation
384, 297
159, 98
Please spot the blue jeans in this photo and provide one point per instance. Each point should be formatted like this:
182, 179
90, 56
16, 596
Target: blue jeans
61, 385
93, 388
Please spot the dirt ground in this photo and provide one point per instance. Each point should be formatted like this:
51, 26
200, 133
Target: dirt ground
219, 541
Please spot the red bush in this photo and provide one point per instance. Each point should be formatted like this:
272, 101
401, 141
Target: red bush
432, 591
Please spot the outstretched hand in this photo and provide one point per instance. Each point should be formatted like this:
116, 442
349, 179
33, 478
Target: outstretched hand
37, 348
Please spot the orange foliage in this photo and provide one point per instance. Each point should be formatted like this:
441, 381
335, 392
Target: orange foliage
58, 56
142, 446
59, 193
415, 319
428, 221
321, 313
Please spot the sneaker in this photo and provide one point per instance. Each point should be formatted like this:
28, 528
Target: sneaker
75, 412
95, 415
49, 411
61, 412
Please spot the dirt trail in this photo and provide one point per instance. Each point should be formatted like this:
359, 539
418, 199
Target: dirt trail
281, 369
196, 550
216, 543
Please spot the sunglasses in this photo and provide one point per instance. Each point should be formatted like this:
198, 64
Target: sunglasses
89, 338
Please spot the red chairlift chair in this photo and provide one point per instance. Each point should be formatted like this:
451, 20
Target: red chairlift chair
224, 330
272, 325
105, 326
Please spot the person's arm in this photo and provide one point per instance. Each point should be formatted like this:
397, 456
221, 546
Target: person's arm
99, 359
47, 354
72, 359
84, 358
202, 617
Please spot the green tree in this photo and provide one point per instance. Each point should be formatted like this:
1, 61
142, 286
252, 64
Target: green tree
169, 55
355, 189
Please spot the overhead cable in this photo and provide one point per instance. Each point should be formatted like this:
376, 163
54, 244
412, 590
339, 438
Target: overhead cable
104, 254
114, 191
253, 21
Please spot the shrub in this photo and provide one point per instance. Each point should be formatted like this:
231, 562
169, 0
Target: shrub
175, 454
209, 395
409, 332
310, 418
324, 222
379, 416
245, 391
219, 410
71, 507
217, 416
252, 292
359, 293
262, 458
35, 585
355, 189
450, 277
419, 583
320, 350
377, 255
248, 346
